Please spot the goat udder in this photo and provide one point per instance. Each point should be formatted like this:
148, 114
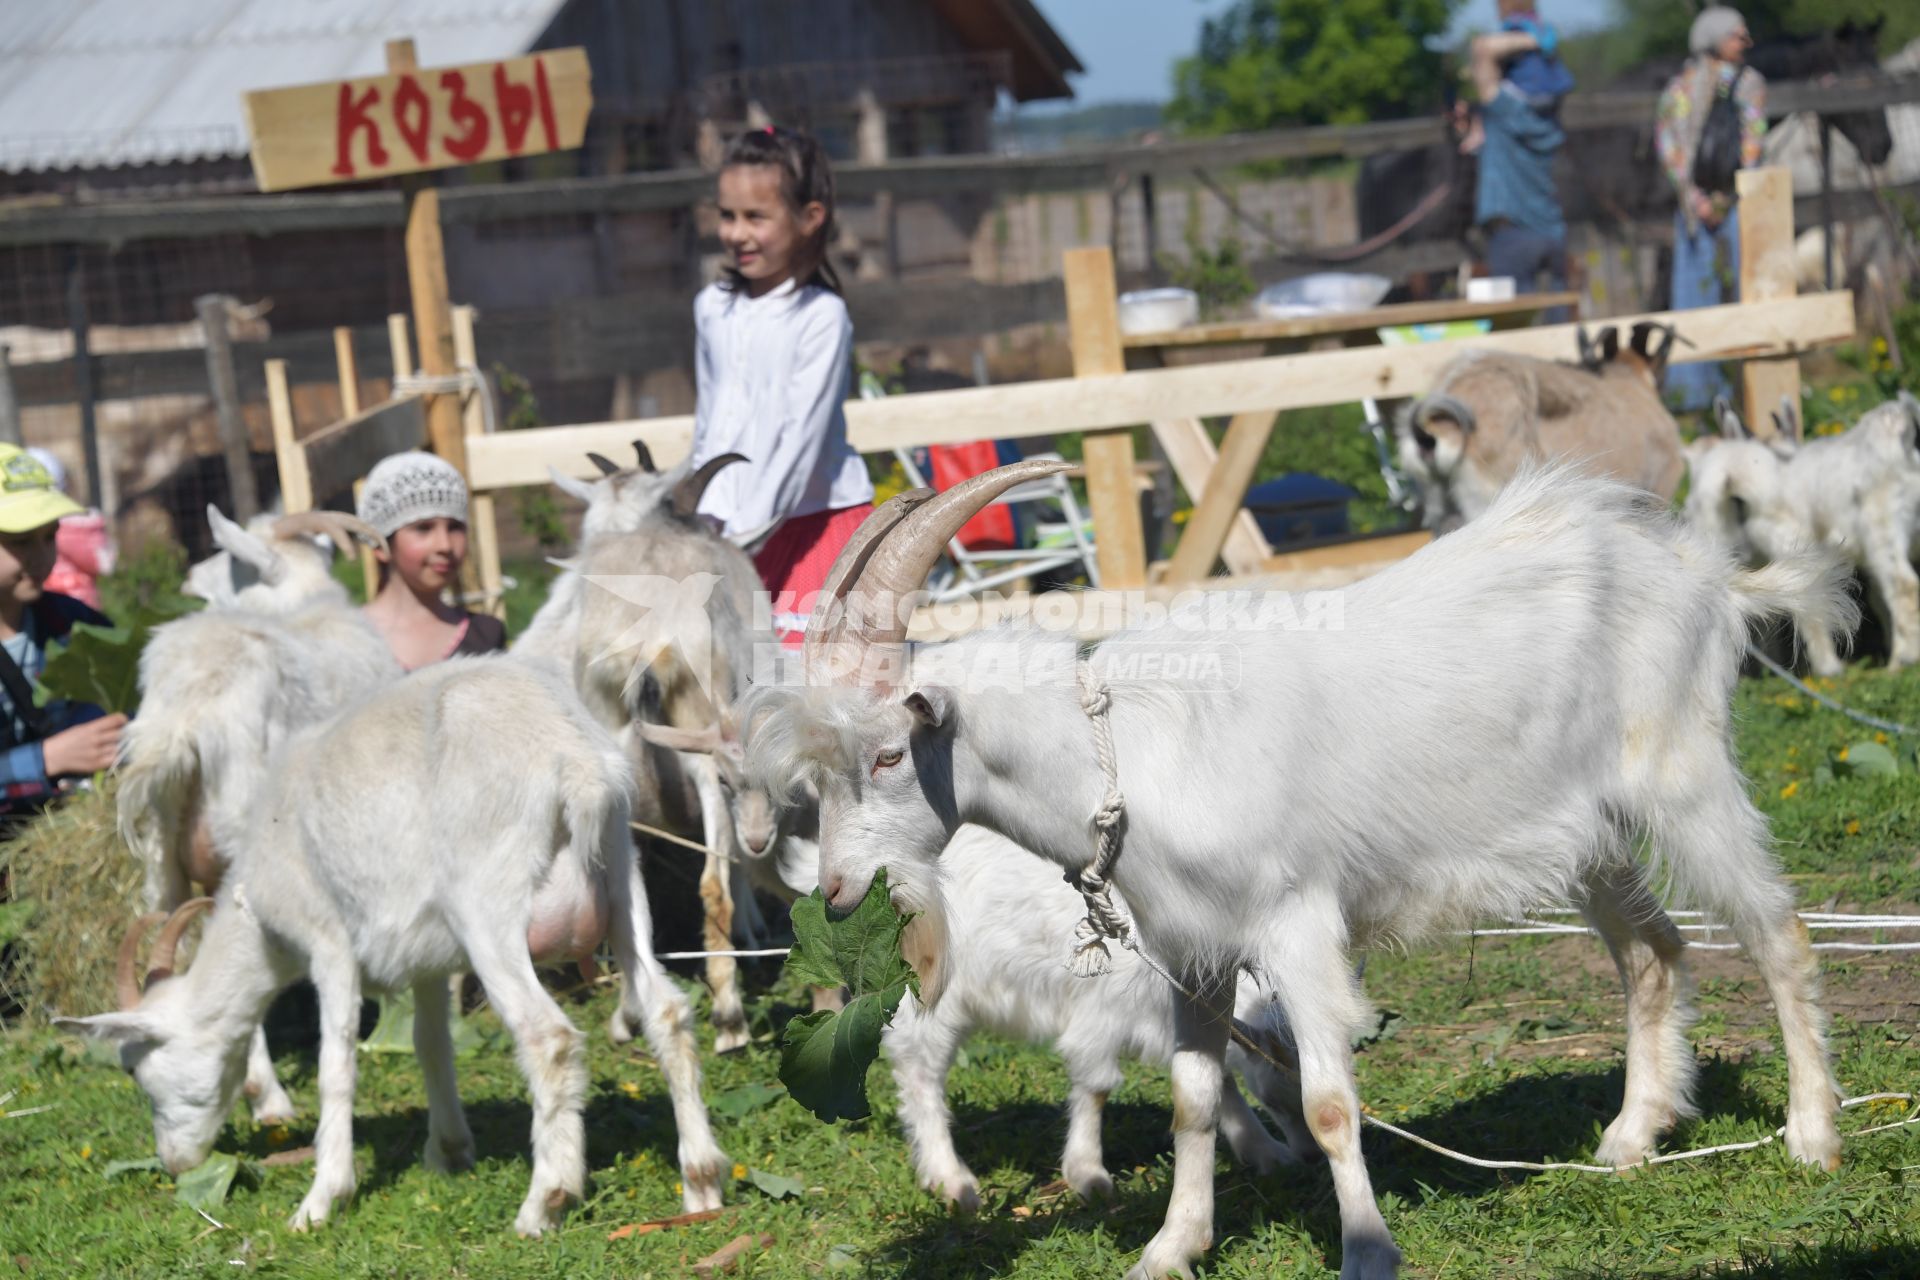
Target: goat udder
566, 929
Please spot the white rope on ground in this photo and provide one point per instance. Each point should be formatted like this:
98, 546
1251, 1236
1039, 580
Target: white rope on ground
737, 955
1890, 726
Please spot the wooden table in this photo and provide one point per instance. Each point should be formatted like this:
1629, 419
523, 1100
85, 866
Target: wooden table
1220, 527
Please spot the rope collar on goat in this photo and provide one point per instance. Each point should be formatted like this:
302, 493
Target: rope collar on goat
1104, 920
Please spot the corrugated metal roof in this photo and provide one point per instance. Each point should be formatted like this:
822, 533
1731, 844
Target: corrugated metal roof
101, 83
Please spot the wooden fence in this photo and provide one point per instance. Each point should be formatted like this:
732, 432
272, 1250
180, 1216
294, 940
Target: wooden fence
1767, 331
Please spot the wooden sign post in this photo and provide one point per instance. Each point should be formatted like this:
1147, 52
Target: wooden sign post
404, 124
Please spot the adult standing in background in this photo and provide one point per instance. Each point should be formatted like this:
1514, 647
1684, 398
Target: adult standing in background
1520, 81
1712, 122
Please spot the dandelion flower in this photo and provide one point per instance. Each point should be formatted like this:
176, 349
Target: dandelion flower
1789, 791
740, 1170
1880, 737
1853, 827
1843, 753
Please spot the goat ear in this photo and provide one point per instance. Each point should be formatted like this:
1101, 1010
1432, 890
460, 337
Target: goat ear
245, 547
133, 1026
930, 704
1786, 420
573, 488
703, 741
1726, 421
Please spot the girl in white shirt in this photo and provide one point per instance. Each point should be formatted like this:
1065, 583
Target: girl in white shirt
773, 364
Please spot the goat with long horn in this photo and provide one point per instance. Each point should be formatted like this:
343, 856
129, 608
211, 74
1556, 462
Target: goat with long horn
1244, 843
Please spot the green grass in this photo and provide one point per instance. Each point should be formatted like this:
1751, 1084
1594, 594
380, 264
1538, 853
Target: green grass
1510, 1047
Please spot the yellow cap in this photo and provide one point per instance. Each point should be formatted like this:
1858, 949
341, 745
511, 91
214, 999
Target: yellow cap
28, 498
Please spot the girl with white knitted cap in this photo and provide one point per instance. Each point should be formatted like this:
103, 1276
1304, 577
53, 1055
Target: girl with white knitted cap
419, 504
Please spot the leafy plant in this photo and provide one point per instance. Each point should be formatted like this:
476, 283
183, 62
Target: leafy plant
101, 665
824, 1056
535, 506
1219, 276
1263, 63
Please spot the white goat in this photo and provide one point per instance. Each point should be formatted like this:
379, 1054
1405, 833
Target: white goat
400, 842
1857, 495
281, 647
1493, 722
665, 632
1015, 921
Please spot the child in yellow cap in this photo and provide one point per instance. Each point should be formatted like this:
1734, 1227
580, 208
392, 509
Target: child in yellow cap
39, 745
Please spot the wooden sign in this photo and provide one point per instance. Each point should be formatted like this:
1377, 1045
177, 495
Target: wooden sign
409, 121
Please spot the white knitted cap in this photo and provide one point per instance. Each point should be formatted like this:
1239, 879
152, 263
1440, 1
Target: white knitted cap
412, 486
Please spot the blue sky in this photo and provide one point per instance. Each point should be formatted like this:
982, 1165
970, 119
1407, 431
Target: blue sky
1129, 46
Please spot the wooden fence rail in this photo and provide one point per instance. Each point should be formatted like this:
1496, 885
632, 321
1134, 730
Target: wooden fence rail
1770, 331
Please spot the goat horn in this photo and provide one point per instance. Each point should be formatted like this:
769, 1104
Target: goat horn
687, 494
825, 625
161, 964
902, 557
645, 456
1726, 421
607, 465
704, 741
342, 529
126, 984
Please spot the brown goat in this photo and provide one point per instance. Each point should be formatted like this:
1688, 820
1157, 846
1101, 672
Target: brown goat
1490, 412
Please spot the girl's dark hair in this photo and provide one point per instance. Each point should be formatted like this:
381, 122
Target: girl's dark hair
805, 177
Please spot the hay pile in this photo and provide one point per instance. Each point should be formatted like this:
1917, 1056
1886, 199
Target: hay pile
74, 889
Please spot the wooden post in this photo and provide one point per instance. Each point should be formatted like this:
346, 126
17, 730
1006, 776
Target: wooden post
1093, 330
399, 348
481, 521
77, 321
1226, 493
9, 402
347, 369
213, 309
1766, 273
296, 489
427, 281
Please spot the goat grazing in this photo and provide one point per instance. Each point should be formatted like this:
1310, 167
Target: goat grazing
400, 842
280, 648
1855, 495
1490, 413
1495, 721
1016, 921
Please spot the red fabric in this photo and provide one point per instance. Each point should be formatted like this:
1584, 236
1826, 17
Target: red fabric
992, 528
795, 561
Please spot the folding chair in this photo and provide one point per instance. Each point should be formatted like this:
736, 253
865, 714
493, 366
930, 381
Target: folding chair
1064, 540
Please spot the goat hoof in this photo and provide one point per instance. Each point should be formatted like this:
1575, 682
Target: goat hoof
541, 1211
729, 1039
1092, 1185
1814, 1143
962, 1195
1623, 1151
278, 1111
448, 1155
1369, 1259
311, 1213
620, 1027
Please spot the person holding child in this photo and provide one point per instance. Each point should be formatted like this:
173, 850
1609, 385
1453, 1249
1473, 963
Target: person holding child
774, 360
1520, 81
418, 502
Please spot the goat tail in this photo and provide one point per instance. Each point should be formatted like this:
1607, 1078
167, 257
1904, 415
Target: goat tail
1809, 585
159, 781
596, 797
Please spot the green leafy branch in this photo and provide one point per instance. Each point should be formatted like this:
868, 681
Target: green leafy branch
101, 665
824, 1056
